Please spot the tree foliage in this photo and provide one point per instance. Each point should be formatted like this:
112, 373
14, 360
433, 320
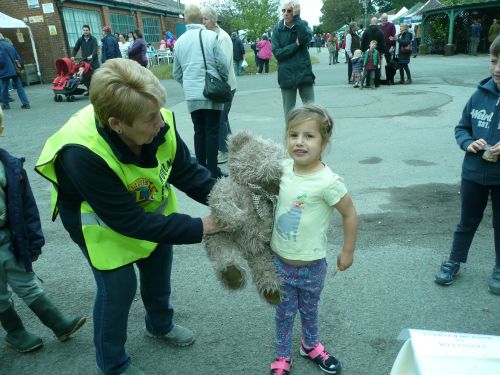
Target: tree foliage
336, 13
383, 5
255, 16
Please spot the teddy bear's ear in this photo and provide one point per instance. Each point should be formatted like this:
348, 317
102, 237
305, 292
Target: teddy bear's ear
239, 139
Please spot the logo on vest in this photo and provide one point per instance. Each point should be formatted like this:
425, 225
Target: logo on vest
483, 117
144, 190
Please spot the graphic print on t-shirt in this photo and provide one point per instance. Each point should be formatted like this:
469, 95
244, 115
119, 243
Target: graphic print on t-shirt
287, 224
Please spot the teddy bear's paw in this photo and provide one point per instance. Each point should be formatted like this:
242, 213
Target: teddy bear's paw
232, 278
272, 297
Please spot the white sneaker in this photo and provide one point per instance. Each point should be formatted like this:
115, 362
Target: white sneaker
222, 157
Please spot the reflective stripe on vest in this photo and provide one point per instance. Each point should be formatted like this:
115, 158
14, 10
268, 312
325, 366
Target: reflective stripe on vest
109, 249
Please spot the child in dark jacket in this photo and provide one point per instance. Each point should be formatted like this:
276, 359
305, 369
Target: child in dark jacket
21, 241
478, 135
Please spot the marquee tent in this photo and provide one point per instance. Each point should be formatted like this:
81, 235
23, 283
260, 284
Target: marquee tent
7, 22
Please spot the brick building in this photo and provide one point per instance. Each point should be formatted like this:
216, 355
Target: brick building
57, 24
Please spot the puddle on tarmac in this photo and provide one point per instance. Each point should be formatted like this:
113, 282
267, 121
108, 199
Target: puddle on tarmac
418, 163
415, 216
372, 160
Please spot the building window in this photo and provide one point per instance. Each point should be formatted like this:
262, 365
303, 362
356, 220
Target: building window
152, 32
74, 19
122, 23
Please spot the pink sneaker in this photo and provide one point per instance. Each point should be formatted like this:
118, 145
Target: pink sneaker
325, 361
281, 366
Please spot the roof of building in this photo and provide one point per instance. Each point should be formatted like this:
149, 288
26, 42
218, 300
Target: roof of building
168, 5
429, 5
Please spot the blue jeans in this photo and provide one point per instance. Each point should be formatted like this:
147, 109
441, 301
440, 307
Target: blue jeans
115, 292
19, 87
225, 129
474, 200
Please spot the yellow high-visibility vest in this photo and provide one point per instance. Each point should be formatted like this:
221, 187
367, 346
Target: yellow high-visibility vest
107, 248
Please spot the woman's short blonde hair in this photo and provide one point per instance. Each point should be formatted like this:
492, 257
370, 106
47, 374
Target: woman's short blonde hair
122, 88
192, 14
403, 26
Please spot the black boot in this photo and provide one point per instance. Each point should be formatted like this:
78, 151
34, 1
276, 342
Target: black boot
50, 315
17, 337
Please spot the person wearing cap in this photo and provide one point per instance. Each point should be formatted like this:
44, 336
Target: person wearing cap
110, 47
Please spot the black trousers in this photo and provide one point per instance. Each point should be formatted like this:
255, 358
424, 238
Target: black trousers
474, 200
206, 138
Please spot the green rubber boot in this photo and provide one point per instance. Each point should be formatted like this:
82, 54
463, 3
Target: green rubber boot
17, 337
50, 315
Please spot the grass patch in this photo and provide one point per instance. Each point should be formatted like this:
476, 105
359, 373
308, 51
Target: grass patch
164, 71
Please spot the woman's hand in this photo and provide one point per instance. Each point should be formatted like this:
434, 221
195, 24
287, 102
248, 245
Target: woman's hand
477, 145
209, 227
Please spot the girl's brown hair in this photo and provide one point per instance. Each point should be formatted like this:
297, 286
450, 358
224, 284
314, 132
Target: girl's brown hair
311, 112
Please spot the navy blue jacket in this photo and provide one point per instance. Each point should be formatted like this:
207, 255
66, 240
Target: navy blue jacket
110, 48
480, 119
23, 218
6, 65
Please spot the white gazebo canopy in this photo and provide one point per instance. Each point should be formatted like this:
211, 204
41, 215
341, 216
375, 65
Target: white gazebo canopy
8, 22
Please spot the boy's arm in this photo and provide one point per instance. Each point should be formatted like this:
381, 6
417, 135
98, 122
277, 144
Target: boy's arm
350, 227
463, 131
31, 218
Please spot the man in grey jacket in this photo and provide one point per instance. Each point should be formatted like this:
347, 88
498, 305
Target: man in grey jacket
189, 71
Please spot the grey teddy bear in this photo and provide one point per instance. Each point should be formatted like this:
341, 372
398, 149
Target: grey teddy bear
244, 204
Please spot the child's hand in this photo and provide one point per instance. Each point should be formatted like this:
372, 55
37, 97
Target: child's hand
495, 150
344, 260
476, 146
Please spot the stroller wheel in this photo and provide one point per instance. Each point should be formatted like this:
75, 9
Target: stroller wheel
55, 98
71, 98
58, 98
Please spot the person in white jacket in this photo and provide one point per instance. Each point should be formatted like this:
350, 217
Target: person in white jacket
189, 71
210, 21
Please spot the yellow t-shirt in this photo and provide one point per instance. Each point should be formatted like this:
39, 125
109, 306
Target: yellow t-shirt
304, 212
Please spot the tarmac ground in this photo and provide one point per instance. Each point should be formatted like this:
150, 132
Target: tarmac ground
396, 150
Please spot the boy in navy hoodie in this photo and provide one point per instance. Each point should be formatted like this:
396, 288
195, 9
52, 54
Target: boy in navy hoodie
478, 134
21, 241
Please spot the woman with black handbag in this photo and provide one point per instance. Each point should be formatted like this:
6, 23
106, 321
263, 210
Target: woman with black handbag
200, 65
403, 53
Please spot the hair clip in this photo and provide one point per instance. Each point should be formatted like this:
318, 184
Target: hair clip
329, 122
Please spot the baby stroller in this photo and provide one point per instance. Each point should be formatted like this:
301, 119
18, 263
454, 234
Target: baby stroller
71, 76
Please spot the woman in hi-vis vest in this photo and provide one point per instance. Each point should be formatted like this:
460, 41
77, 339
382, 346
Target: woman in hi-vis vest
114, 163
